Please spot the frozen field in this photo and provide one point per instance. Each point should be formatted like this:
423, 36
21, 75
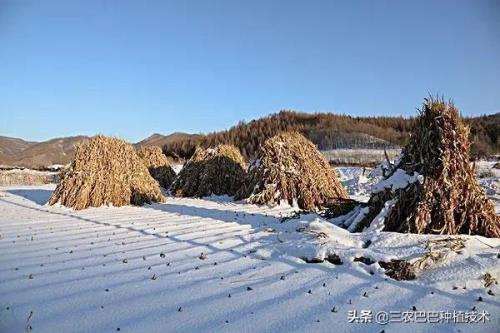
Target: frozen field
212, 265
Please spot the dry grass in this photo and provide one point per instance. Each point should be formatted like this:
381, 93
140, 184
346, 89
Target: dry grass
157, 164
218, 171
488, 280
106, 171
27, 177
437, 251
400, 270
450, 200
290, 168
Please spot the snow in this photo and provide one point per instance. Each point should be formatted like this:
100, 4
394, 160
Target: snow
398, 180
489, 179
177, 167
357, 216
141, 269
378, 223
56, 167
357, 181
359, 156
491, 187
486, 167
29, 172
255, 164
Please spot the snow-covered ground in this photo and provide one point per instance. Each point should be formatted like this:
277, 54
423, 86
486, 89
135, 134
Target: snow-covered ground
360, 156
489, 179
359, 182
487, 168
213, 265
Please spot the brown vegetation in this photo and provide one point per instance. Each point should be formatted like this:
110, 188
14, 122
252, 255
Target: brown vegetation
332, 131
27, 177
106, 171
290, 168
325, 130
218, 171
157, 164
450, 201
399, 269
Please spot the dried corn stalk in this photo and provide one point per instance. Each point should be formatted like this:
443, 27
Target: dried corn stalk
290, 168
157, 164
449, 201
488, 280
106, 171
437, 251
218, 170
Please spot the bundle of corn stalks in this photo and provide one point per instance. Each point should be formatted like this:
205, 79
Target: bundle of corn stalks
437, 251
290, 168
449, 199
400, 270
218, 171
106, 171
157, 164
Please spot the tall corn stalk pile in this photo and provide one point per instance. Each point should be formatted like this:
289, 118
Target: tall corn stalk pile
157, 164
106, 171
449, 200
290, 168
218, 171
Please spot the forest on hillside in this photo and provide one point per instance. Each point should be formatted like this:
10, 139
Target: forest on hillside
332, 131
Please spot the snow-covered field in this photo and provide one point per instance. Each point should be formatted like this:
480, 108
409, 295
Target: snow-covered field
359, 156
213, 265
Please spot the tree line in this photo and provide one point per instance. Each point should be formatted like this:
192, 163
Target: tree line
332, 131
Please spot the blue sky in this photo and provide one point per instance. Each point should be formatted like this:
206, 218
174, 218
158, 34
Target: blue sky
132, 68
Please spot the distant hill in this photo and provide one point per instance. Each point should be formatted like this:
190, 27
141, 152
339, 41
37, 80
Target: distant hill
38, 155
43, 154
10, 147
162, 140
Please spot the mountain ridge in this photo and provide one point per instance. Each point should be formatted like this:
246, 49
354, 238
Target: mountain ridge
38, 155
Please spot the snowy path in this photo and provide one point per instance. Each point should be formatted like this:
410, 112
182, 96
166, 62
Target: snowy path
134, 269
